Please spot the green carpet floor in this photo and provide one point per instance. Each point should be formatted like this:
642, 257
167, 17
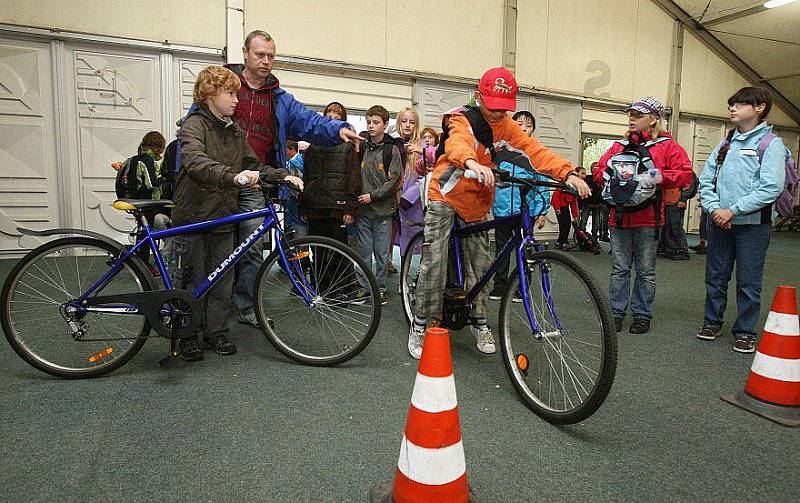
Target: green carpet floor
256, 427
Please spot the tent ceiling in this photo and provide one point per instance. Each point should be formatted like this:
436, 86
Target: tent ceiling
768, 40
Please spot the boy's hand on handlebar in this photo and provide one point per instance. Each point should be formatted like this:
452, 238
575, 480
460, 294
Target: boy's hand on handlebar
540, 221
485, 174
579, 184
295, 181
247, 178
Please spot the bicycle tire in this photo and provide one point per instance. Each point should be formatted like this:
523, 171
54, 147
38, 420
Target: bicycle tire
409, 276
511, 345
16, 290
327, 308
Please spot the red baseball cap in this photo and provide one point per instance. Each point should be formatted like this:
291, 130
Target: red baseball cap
499, 89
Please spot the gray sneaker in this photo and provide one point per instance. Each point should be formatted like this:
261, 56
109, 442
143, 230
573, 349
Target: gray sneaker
484, 340
249, 319
415, 339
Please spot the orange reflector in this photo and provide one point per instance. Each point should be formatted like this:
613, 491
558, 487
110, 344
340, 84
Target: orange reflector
100, 355
300, 255
522, 362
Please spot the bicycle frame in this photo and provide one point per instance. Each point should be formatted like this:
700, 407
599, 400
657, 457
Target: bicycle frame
151, 237
522, 237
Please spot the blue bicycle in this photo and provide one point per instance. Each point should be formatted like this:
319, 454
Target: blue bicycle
84, 305
556, 329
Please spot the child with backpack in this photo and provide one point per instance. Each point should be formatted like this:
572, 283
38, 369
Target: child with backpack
139, 177
507, 202
469, 145
633, 172
742, 183
381, 178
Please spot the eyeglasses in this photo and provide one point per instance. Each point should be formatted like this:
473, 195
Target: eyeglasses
737, 106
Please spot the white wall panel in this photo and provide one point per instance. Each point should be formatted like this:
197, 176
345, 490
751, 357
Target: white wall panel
354, 92
114, 101
438, 37
616, 49
28, 175
558, 128
190, 22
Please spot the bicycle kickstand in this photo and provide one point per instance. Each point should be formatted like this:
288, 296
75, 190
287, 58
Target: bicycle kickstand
173, 343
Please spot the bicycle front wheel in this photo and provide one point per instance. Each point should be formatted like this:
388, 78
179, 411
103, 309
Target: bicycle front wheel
343, 309
35, 317
564, 366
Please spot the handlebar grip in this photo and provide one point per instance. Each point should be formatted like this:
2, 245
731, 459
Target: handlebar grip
242, 180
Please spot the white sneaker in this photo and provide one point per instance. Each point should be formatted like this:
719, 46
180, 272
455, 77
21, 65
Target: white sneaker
484, 339
415, 338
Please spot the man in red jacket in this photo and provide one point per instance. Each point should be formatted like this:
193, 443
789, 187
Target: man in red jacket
634, 234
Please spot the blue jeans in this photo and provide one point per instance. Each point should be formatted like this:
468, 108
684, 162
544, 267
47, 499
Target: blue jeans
633, 247
249, 199
746, 245
374, 234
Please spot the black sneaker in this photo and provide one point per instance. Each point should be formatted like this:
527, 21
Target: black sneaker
701, 251
640, 326
221, 345
707, 333
744, 344
384, 300
618, 324
359, 298
495, 295
662, 254
191, 351
679, 255
698, 248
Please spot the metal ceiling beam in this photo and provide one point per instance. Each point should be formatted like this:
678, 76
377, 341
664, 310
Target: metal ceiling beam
674, 10
734, 15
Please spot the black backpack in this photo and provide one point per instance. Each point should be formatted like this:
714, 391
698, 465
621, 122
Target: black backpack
125, 182
480, 128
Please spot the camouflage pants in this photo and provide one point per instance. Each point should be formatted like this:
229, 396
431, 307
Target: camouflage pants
433, 265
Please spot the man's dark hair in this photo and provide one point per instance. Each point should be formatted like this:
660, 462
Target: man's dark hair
256, 33
527, 115
379, 111
753, 96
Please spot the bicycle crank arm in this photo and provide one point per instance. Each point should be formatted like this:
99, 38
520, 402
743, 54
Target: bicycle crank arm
152, 305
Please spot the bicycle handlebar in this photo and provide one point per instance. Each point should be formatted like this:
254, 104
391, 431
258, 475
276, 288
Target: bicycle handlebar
504, 176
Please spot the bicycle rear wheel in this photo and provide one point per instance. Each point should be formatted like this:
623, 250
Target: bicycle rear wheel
343, 314
409, 275
33, 309
564, 369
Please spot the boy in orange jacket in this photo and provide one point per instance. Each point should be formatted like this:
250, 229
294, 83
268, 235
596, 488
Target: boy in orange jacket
450, 193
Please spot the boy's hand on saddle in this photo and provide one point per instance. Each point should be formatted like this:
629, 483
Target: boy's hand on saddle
295, 182
247, 178
485, 174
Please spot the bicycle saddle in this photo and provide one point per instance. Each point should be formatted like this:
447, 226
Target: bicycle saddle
141, 204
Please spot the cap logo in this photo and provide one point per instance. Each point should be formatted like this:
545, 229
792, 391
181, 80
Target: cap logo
501, 87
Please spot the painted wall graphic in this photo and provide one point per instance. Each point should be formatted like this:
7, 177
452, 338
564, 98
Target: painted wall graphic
593, 85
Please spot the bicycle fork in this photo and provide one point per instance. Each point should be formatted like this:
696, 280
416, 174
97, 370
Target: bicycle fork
523, 266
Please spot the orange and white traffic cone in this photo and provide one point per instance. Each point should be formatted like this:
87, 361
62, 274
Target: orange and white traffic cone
772, 390
431, 467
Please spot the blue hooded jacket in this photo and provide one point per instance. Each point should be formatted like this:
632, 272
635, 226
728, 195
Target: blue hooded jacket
507, 199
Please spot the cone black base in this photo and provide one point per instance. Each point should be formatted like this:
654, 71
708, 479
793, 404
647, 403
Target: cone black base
786, 416
382, 493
